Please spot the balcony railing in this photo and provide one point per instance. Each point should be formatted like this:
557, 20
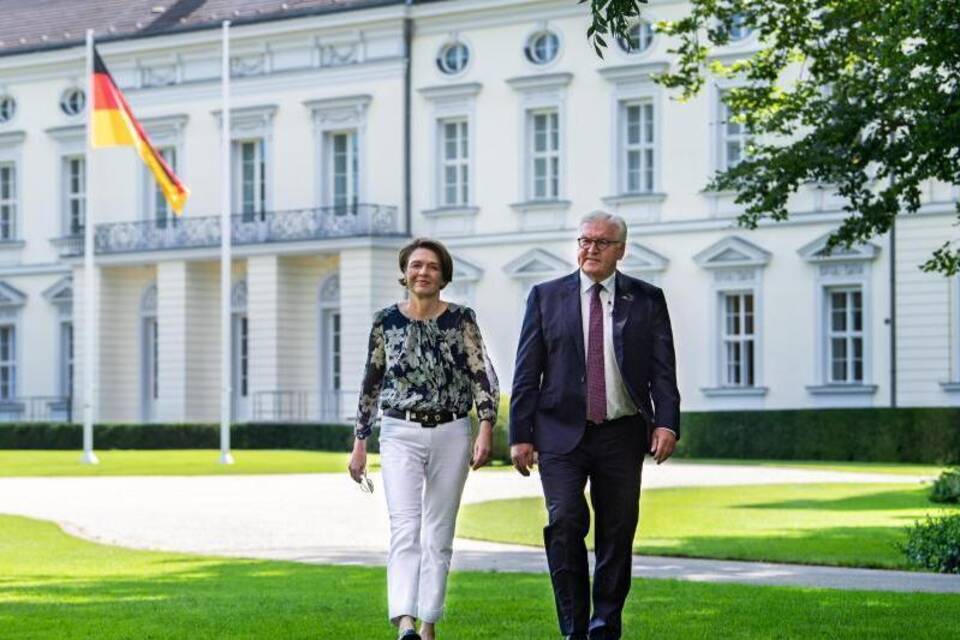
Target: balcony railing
296, 406
35, 409
194, 232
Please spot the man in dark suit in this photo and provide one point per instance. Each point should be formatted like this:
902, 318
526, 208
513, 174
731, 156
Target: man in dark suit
594, 389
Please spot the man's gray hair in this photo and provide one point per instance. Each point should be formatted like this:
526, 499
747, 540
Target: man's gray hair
603, 216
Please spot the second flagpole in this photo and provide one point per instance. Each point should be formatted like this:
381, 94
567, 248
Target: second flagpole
89, 281
226, 228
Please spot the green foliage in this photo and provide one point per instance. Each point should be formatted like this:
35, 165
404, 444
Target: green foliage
922, 435
856, 95
309, 437
946, 488
611, 17
934, 544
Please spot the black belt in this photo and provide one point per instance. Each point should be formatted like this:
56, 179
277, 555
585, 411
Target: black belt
427, 419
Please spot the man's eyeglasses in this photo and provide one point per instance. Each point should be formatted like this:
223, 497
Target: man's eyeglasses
366, 484
600, 243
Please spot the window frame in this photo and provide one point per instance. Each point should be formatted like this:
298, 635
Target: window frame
630, 51
10, 364
351, 197
69, 196
724, 338
555, 154
260, 183
626, 148
461, 163
849, 335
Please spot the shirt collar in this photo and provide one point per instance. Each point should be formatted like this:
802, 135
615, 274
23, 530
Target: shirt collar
586, 282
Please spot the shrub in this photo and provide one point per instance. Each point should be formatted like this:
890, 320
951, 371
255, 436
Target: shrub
946, 488
934, 544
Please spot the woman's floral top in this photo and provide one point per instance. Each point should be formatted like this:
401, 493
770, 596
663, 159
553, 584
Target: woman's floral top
427, 365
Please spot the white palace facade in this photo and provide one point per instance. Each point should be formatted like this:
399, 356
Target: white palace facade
489, 124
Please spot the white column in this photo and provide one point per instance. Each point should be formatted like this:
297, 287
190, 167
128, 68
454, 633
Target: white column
263, 316
172, 328
368, 282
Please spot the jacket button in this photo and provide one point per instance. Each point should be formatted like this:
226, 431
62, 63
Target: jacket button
583, 378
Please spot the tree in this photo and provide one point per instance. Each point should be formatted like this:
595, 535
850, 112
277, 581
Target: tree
860, 95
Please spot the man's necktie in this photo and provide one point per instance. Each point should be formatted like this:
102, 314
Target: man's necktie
596, 383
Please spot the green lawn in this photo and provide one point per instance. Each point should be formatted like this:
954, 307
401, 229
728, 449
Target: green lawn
171, 462
55, 586
836, 524
895, 468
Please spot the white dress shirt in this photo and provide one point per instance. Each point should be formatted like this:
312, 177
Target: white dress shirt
619, 403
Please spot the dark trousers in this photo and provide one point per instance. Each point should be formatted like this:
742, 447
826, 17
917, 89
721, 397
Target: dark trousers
610, 455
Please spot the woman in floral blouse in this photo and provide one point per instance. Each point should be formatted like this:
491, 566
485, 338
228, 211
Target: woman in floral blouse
426, 368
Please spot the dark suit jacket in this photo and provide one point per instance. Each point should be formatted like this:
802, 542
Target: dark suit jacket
548, 406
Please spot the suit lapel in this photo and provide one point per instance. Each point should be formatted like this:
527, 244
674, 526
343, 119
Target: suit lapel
621, 311
572, 313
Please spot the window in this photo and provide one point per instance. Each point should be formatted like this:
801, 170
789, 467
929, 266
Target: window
638, 148
242, 350
8, 201
73, 101
453, 58
734, 137
75, 193
250, 187
544, 145
161, 209
8, 362
737, 340
639, 38
344, 163
335, 350
455, 163
149, 355
66, 359
844, 306
542, 47
8, 108
739, 29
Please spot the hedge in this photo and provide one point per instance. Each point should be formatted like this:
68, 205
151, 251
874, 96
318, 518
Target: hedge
922, 435
311, 437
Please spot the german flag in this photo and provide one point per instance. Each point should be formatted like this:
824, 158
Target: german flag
114, 126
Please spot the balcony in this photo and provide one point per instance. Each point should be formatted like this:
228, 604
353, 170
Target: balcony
36, 409
196, 232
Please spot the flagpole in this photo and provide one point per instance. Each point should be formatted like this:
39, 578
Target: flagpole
225, 262
89, 284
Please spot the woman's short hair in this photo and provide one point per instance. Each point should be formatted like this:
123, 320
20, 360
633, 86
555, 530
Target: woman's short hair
446, 262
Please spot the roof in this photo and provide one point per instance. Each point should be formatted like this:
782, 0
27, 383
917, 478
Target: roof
53, 24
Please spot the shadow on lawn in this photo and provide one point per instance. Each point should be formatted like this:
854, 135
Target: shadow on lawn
868, 547
879, 501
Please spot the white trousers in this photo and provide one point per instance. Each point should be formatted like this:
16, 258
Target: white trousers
424, 471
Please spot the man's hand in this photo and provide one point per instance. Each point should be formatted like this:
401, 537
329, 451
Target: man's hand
662, 444
523, 457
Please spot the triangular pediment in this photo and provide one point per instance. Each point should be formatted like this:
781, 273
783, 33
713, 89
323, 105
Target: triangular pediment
732, 251
61, 291
464, 271
816, 251
536, 263
641, 258
11, 296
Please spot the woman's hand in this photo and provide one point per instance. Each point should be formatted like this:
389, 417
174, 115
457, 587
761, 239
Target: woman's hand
483, 445
358, 460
